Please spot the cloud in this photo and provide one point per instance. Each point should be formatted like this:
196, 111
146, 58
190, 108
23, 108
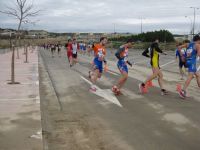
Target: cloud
100, 16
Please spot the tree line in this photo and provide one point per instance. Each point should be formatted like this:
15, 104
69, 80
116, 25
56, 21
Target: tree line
162, 35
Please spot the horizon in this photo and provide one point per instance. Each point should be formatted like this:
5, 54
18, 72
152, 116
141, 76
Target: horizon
91, 32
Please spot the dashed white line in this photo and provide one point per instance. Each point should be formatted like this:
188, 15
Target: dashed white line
168, 63
113, 73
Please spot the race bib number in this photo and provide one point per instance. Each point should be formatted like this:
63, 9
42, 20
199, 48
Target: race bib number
100, 54
189, 52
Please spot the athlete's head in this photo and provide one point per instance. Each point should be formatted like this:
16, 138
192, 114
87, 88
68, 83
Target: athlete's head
185, 43
69, 41
196, 39
179, 45
103, 40
74, 40
156, 40
129, 43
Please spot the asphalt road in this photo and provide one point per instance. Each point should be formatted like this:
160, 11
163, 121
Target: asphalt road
75, 119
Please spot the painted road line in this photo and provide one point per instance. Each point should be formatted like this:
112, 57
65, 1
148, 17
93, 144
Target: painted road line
107, 94
19, 99
113, 73
37, 135
167, 63
143, 61
198, 69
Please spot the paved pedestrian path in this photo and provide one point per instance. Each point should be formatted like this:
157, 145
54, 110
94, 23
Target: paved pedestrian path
20, 119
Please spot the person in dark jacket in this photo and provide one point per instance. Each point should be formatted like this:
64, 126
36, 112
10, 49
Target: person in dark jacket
153, 53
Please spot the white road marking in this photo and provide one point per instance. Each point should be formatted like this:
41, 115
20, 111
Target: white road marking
198, 68
37, 82
106, 93
168, 63
113, 73
143, 61
38, 135
90, 83
19, 99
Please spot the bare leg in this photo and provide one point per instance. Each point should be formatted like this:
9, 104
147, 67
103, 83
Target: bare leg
94, 76
181, 72
153, 76
198, 79
160, 79
187, 82
122, 80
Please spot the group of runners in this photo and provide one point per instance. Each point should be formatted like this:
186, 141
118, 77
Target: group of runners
53, 47
83, 47
187, 53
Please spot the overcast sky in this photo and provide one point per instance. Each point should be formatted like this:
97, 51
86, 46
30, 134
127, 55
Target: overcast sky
102, 16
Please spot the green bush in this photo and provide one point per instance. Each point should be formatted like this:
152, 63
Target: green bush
162, 35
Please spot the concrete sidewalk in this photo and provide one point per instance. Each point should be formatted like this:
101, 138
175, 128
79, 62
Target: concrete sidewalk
20, 118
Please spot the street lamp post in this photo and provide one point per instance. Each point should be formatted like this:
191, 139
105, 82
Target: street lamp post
10, 40
141, 25
114, 26
193, 29
191, 25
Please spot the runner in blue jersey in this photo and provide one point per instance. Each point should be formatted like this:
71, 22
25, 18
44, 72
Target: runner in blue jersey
180, 55
192, 52
122, 56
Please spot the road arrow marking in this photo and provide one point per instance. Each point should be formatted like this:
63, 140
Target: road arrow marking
104, 93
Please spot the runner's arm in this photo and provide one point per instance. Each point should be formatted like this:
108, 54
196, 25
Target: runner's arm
157, 48
176, 54
117, 54
198, 50
145, 53
129, 63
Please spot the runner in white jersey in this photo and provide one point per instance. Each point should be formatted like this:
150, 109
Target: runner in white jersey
75, 48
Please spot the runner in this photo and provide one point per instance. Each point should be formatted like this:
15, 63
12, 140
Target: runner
53, 49
75, 48
81, 48
192, 51
122, 55
180, 55
58, 47
154, 56
99, 54
69, 51
84, 48
89, 47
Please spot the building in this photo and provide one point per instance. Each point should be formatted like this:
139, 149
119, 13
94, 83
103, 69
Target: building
38, 34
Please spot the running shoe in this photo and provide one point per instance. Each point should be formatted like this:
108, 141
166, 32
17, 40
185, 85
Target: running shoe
182, 94
93, 88
164, 92
116, 90
142, 88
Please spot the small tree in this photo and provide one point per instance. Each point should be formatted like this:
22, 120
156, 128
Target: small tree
22, 11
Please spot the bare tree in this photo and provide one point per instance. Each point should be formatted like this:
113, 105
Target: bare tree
22, 11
